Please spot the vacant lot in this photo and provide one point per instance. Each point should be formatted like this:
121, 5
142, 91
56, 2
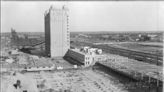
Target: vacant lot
74, 81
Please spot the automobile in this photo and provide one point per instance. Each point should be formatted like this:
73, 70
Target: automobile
75, 66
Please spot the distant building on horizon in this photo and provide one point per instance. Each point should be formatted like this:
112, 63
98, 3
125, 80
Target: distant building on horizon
57, 35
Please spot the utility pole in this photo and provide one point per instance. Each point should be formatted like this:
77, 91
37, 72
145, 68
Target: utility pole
157, 57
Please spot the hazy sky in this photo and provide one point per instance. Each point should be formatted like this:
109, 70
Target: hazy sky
27, 16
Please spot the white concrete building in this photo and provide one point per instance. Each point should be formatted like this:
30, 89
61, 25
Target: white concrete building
87, 56
57, 36
84, 58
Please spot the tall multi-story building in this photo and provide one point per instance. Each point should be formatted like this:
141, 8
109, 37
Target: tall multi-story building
57, 36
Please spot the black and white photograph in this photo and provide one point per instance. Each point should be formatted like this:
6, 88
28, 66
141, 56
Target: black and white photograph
81, 46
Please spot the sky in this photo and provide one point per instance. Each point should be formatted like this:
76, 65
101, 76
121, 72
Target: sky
28, 16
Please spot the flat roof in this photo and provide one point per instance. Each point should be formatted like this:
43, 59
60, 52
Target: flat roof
42, 62
78, 50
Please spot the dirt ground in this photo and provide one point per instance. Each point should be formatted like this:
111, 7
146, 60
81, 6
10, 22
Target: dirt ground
72, 81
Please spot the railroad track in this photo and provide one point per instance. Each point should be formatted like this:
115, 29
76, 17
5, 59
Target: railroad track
137, 55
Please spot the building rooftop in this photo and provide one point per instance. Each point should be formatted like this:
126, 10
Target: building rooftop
81, 52
41, 62
52, 7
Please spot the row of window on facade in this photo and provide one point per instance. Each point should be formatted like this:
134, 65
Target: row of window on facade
87, 58
87, 63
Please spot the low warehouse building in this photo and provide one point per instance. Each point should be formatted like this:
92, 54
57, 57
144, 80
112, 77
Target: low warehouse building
86, 56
